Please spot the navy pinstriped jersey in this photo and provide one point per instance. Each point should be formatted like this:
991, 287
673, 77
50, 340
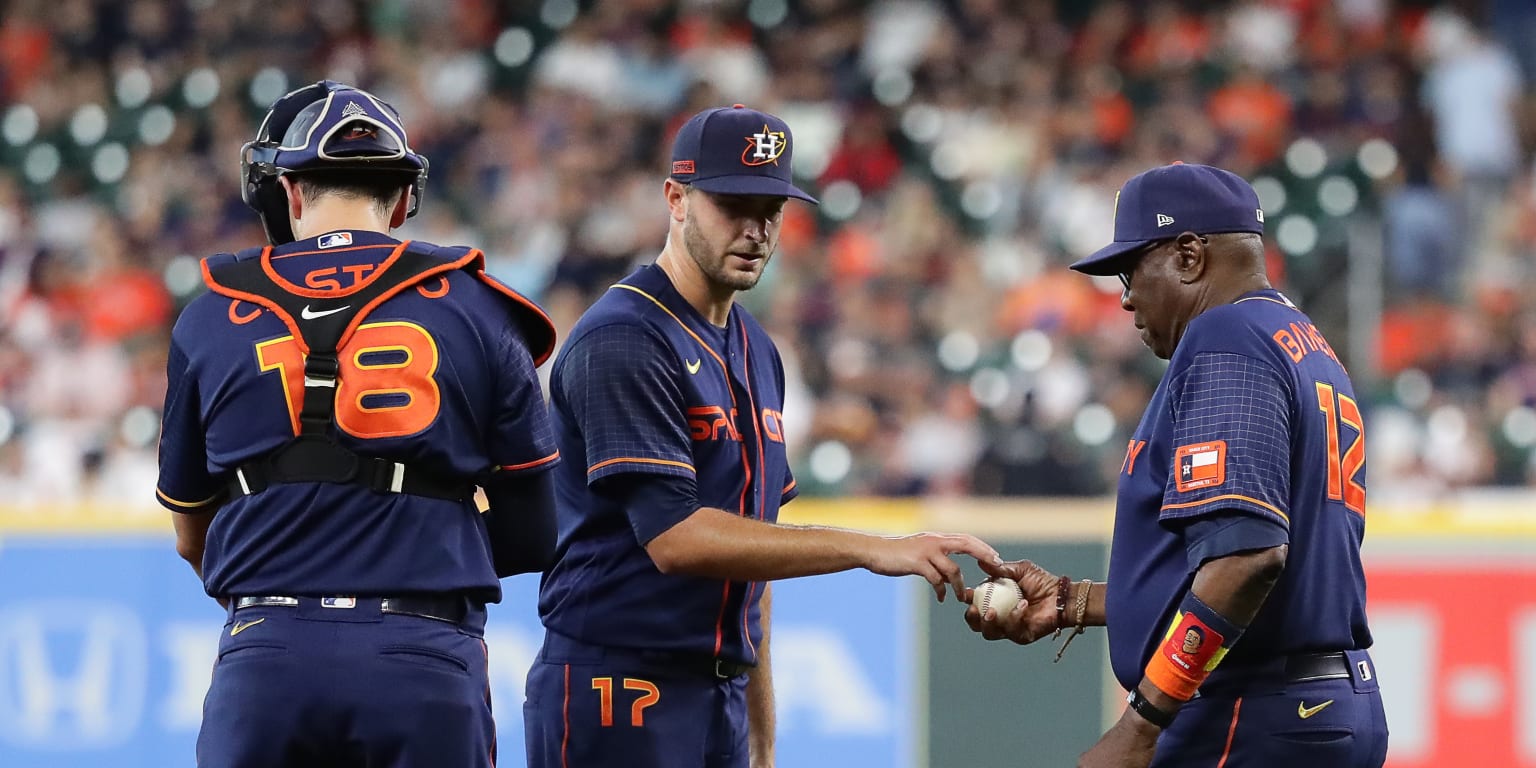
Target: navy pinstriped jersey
1254, 416
438, 376
645, 385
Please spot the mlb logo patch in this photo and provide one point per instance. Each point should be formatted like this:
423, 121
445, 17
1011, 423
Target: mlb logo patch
338, 602
335, 239
1201, 465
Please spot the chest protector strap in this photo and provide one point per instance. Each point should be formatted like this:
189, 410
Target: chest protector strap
322, 323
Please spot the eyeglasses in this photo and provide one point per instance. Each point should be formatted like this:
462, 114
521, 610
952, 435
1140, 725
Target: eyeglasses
1136, 258
1133, 260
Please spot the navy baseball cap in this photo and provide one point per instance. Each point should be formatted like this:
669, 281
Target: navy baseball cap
736, 151
1159, 204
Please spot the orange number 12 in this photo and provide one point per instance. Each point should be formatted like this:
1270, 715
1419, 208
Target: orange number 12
1343, 466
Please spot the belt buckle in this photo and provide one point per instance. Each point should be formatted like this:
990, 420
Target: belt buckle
719, 672
261, 601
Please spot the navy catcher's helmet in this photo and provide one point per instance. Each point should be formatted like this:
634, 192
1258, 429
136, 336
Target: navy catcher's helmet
326, 126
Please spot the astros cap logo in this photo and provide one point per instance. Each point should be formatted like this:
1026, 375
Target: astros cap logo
764, 147
708, 154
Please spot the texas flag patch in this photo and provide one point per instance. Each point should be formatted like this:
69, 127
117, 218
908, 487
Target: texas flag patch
335, 240
1201, 465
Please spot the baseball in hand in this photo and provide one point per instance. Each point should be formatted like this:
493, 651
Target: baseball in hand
999, 595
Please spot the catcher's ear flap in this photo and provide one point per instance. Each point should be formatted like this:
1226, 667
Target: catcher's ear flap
272, 204
262, 193
258, 160
418, 187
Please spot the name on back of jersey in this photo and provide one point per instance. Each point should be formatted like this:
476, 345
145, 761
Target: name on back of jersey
1299, 340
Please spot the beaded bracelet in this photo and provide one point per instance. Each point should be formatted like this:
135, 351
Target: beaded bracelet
1063, 586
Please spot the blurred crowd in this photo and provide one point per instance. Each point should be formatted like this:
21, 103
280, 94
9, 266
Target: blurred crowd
964, 151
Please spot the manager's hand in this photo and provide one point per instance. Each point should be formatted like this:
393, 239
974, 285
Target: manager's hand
1033, 618
1130, 743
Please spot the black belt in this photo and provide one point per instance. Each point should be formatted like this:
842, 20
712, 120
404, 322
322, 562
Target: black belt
1306, 667
1246, 674
696, 664
450, 608
650, 661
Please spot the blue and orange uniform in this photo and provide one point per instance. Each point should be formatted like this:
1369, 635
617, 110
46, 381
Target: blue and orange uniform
1251, 453
1255, 418
635, 662
437, 377
331, 406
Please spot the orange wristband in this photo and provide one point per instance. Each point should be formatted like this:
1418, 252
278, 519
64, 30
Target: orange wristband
1190, 650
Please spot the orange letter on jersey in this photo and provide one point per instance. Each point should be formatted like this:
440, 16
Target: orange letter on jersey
358, 272
773, 425
318, 280
1131, 452
1288, 343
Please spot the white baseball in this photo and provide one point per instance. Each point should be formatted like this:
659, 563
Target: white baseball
1000, 595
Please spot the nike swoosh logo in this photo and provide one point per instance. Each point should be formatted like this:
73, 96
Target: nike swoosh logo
241, 626
1303, 711
309, 314
693, 367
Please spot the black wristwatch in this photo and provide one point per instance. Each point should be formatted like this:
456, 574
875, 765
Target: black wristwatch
1148, 710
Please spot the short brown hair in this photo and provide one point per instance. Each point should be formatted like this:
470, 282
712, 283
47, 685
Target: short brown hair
383, 190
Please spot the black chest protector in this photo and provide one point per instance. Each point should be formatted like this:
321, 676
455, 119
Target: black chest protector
322, 323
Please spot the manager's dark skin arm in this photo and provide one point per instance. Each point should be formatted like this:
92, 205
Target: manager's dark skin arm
1235, 586
521, 522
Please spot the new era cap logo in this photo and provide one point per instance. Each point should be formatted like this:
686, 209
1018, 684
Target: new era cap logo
764, 147
1164, 219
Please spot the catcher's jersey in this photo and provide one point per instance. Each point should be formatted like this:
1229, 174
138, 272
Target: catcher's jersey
646, 385
438, 376
1254, 416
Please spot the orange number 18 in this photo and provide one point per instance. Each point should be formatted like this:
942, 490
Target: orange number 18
386, 387
1343, 467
